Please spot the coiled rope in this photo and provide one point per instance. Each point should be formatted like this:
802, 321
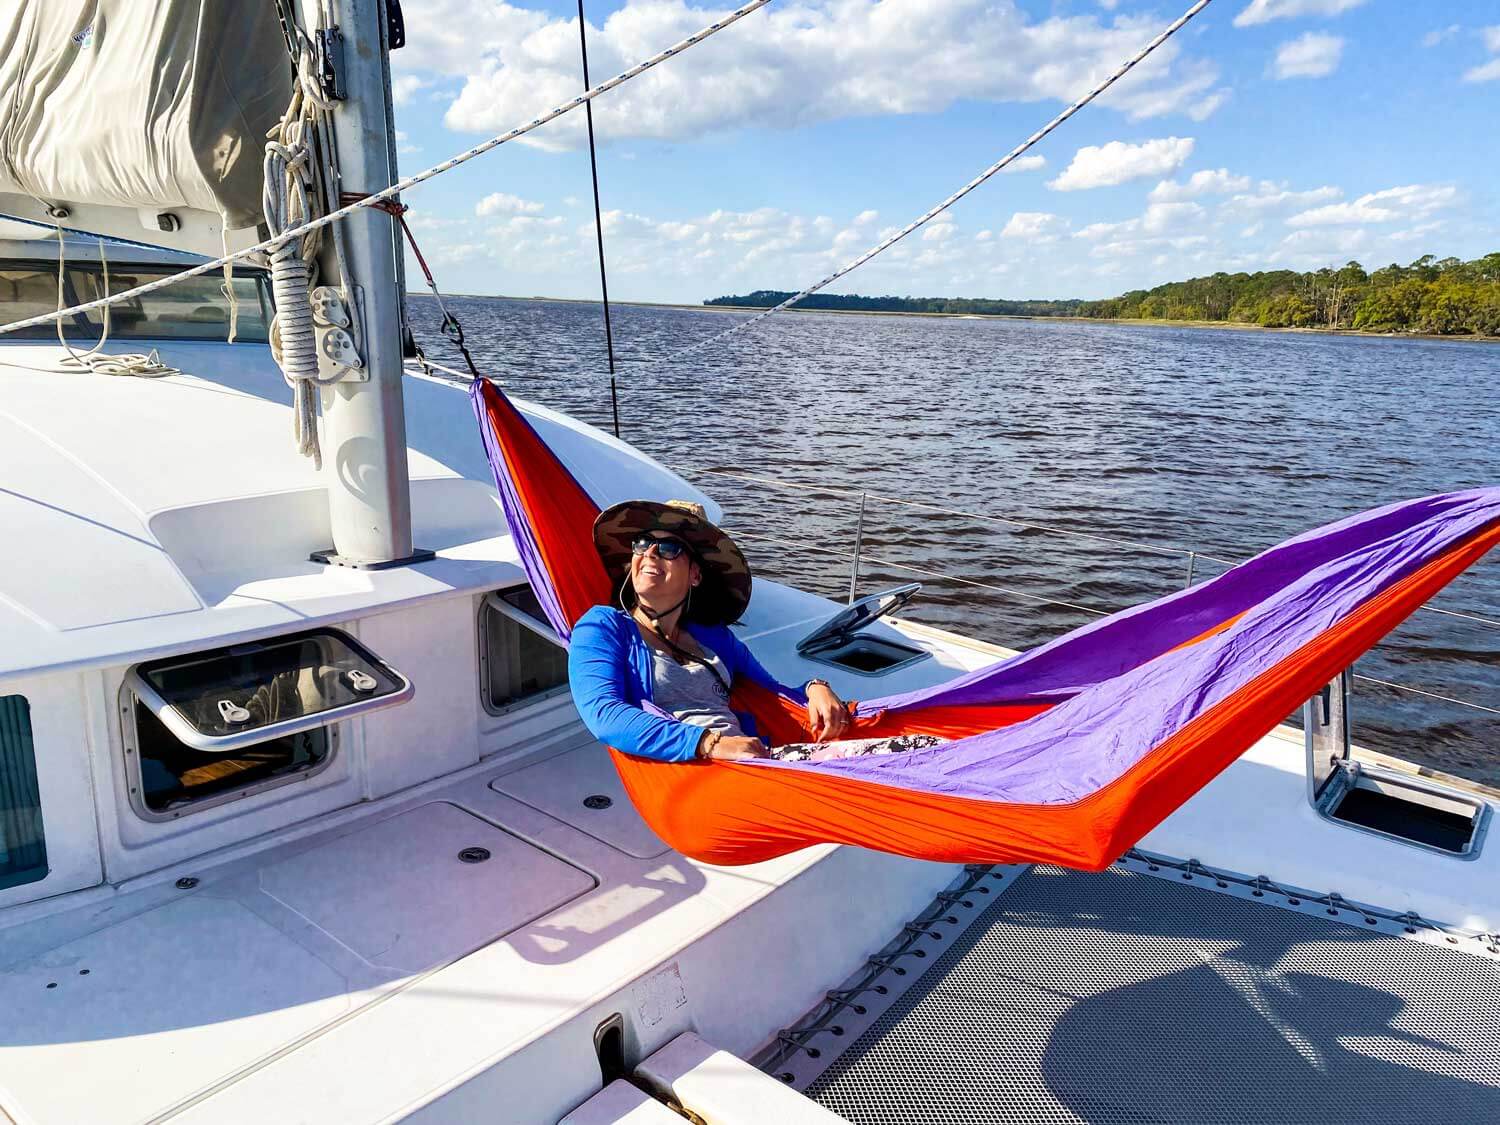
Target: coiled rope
299, 185
333, 216
141, 365
290, 198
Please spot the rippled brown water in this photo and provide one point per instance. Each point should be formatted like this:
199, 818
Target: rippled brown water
1220, 441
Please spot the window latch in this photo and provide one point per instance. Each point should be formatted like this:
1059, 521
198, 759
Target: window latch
361, 681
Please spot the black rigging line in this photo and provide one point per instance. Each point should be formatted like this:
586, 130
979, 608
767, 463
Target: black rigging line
588, 112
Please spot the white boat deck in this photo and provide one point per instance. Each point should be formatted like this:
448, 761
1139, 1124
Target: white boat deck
298, 966
331, 957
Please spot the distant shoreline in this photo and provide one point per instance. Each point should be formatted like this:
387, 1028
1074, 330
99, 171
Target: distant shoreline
1142, 321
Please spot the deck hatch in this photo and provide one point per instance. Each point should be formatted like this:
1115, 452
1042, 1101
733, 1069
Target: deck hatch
843, 641
233, 697
1121, 997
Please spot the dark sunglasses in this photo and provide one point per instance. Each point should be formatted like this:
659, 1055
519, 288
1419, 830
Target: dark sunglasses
666, 548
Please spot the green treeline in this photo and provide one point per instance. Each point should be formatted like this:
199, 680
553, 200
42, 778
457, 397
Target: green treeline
1438, 296
975, 306
1444, 297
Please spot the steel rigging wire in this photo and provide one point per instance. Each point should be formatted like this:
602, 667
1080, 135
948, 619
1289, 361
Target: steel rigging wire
584, 99
588, 113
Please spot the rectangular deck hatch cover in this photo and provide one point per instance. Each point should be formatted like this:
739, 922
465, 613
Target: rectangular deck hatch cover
856, 616
232, 697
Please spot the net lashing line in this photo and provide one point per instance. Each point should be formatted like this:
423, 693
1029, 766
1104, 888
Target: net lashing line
268, 245
943, 910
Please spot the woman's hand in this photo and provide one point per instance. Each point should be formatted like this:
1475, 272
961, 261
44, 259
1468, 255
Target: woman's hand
828, 717
737, 749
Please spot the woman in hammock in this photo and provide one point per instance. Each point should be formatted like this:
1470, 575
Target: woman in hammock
652, 674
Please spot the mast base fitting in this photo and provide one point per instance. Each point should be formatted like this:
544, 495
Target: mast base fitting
330, 557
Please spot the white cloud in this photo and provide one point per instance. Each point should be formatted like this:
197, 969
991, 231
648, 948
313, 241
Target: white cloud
1160, 225
1420, 231
1269, 196
1116, 162
1313, 55
1219, 181
1490, 71
404, 87
939, 231
503, 203
1034, 226
1205, 108
1398, 203
1025, 164
1264, 11
804, 61
1163, 218
1433, 38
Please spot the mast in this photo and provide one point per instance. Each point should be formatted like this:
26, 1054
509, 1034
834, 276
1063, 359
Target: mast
364, 421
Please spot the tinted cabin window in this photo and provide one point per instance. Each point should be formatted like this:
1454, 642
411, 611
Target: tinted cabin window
195, 309
520, 665
174, 777
27, 291
23, 849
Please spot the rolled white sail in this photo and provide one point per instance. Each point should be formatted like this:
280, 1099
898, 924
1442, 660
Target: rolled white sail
159, 107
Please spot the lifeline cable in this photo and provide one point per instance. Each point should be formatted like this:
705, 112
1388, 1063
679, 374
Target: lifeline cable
401, 185
956, 196
588, 113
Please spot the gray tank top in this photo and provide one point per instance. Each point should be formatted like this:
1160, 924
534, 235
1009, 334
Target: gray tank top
693, 693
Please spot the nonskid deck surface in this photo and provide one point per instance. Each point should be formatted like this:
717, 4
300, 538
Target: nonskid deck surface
1122, 998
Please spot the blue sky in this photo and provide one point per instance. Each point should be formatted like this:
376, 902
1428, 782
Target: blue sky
1267, 134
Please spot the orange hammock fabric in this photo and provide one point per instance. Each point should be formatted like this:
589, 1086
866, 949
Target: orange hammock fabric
1067, 754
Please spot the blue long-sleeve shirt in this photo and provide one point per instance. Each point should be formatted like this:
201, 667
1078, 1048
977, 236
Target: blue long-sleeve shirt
610, 673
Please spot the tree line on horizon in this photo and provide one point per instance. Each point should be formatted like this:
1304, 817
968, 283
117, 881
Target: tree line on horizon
852, 302
1437, 296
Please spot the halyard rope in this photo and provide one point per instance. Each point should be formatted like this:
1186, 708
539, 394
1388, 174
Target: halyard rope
409, 182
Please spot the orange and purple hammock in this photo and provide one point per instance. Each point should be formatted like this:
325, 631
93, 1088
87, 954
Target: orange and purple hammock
1067, 754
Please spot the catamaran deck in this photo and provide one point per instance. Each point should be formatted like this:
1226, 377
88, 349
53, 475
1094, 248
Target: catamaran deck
1124, 997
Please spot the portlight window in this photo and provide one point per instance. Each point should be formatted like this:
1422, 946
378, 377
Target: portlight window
522, 661
23, 847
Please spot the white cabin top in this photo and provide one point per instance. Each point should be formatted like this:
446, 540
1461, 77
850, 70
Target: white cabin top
144, 516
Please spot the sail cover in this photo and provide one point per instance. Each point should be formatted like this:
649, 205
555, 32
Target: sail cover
162, 104
1066, 754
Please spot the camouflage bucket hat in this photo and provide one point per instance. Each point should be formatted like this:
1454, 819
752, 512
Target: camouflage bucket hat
725, 591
